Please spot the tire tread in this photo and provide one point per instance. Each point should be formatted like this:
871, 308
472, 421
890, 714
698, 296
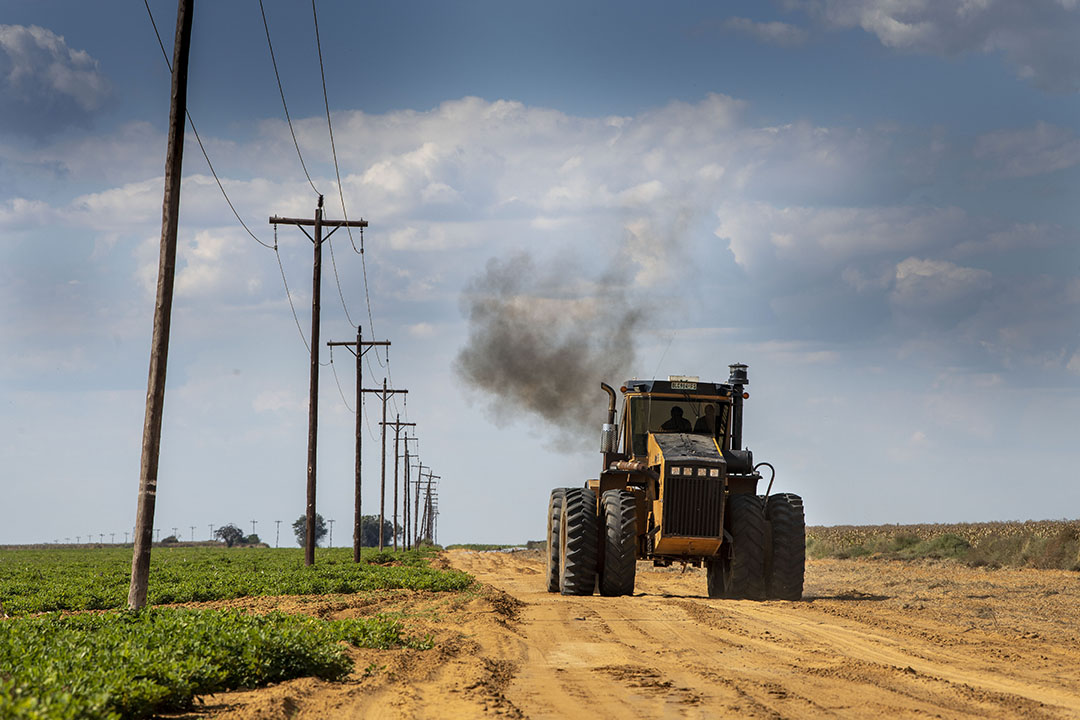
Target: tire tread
788, 567
578, 553
620, 543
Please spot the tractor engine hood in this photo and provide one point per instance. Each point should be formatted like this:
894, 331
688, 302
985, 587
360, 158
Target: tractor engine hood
698, 449
687, 448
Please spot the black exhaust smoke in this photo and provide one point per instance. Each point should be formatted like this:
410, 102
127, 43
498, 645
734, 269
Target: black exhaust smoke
541, 341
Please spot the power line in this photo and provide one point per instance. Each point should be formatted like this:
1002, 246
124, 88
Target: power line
338, 382
209, 164
199, 139
367, 420
337, 173
281, 90
333, 264
292, 307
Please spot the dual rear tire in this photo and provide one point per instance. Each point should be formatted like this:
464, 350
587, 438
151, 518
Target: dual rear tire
578, 543
767, 554
586, 551
620, 543
785, 565
554, 521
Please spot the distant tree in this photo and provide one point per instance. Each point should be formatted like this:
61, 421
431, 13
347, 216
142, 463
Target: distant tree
229, 534
252, 539
300, 529
169, 540
369, 531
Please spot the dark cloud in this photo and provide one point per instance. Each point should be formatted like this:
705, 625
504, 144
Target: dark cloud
45, 86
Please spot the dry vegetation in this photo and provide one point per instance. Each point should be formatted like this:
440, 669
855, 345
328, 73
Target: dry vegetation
1044, 544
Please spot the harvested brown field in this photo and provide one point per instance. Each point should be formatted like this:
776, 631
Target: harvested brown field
1043, 544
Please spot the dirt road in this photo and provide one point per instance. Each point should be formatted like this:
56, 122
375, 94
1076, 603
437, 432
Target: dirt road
869, 639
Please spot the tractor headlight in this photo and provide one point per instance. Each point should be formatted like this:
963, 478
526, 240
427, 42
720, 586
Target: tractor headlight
714, 472
676, 471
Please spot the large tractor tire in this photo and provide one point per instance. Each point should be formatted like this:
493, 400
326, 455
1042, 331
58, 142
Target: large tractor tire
620, 542
578, 546
745, 572
787, 566
554, 517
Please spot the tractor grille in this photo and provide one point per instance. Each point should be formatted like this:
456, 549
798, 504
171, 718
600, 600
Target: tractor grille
694, 506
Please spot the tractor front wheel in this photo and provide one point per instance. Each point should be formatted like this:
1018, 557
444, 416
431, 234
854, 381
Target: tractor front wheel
620, 542
554, 517
578, 546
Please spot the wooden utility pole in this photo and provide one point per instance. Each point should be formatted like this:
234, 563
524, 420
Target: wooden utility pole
429, 510
159, 347
383, 395
361, 349
433, 508
405, 515
397, 425
313, 387
416, 507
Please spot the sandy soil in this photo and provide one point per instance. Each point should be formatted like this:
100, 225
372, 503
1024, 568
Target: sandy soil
869, 639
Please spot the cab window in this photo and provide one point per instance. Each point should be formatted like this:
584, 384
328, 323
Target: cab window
648, 414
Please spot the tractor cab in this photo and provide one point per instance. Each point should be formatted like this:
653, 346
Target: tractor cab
678, 404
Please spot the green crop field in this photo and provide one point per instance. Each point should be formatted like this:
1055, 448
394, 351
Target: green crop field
122, 664
134, 664
47, 579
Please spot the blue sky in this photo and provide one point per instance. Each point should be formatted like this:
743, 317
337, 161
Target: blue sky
870, 202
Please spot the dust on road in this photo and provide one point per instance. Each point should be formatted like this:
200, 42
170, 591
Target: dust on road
870, 638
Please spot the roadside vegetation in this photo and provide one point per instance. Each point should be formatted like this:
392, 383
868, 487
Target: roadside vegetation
122, 664
50, 579
105, 666
1044, 544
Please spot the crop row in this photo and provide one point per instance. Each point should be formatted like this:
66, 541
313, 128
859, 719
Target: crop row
49, 579
105, 666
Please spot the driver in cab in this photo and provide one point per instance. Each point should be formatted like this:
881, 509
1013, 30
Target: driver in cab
707, 422
676, 423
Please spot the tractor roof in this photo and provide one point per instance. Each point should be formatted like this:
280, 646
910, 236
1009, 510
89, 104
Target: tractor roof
680, 386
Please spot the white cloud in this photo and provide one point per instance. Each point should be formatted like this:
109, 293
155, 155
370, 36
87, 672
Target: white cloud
1038, 150
448, 188
45, 84
285, 402
421, 330
823, 239
936, 288
21, 213
774, 33
1021, 236
1038, 37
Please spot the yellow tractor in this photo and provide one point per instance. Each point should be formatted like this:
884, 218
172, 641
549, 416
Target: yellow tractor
677, 486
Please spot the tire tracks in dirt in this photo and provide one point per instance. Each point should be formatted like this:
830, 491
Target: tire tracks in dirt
871, 638
854, 649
